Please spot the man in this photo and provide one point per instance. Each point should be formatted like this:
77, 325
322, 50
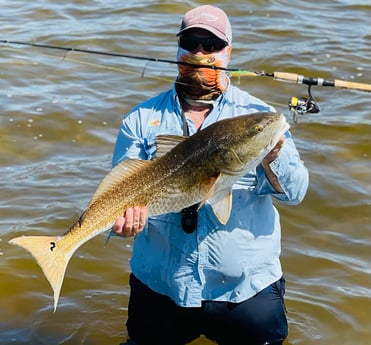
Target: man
190, 274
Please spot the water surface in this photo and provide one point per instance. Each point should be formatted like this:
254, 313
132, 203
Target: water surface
59, 118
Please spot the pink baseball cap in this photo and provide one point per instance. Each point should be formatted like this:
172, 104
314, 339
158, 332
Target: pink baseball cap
210, 18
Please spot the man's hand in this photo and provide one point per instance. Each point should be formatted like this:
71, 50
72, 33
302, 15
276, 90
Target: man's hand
132, 222
274, 153
269, 158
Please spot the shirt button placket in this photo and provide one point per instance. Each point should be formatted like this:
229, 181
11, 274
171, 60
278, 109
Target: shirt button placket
202, 247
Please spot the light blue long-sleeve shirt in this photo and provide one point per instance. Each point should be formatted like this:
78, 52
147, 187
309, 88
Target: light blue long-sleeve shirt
218, 262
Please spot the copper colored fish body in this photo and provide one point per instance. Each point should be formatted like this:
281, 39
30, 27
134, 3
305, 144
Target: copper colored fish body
198, 169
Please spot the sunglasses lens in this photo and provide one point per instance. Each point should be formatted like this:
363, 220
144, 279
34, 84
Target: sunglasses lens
188, 43
209, 45
219, 45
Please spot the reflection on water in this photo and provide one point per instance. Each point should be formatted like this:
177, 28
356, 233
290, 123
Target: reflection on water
59, 118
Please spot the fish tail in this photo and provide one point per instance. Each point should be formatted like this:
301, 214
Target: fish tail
52, 257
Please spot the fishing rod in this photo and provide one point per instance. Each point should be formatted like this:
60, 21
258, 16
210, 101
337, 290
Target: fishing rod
299, 106
235, 72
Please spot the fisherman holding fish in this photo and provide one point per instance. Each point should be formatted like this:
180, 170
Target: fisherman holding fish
191, 274
195, 172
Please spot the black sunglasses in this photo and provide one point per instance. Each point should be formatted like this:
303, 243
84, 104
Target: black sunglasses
209, 44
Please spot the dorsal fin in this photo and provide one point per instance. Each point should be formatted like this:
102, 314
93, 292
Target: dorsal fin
118, 173
165, 143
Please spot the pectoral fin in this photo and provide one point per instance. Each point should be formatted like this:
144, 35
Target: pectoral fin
221, 204
220, 199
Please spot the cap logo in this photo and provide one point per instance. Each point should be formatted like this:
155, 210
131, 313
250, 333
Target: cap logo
204, 16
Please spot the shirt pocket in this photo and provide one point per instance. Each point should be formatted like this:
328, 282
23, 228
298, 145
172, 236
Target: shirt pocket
163, 129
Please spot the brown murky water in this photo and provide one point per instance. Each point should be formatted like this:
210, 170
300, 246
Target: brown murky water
59, 117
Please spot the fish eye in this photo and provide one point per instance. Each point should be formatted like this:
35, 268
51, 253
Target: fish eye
258, 128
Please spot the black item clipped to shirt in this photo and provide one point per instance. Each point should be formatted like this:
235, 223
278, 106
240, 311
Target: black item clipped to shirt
189, 218
189, 214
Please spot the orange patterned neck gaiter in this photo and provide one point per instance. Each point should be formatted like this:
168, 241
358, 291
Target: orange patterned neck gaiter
199, 84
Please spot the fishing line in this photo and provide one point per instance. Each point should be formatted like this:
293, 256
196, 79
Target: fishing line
119, 69
96, 65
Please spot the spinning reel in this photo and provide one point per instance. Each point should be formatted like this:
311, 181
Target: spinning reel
300, 106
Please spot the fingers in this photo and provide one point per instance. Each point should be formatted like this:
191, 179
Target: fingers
132, 222
118, 226
274, 153
143, 215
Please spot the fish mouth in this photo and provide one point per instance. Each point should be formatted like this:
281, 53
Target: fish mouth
284, 127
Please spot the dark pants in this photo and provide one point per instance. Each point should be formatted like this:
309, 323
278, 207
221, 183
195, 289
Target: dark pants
154, 319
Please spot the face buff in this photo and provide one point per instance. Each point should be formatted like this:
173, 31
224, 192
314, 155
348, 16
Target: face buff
202, 85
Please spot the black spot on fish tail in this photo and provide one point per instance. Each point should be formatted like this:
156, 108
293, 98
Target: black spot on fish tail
81, 219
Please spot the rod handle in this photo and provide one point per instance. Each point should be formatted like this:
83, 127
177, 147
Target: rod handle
286, 76
352, 85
